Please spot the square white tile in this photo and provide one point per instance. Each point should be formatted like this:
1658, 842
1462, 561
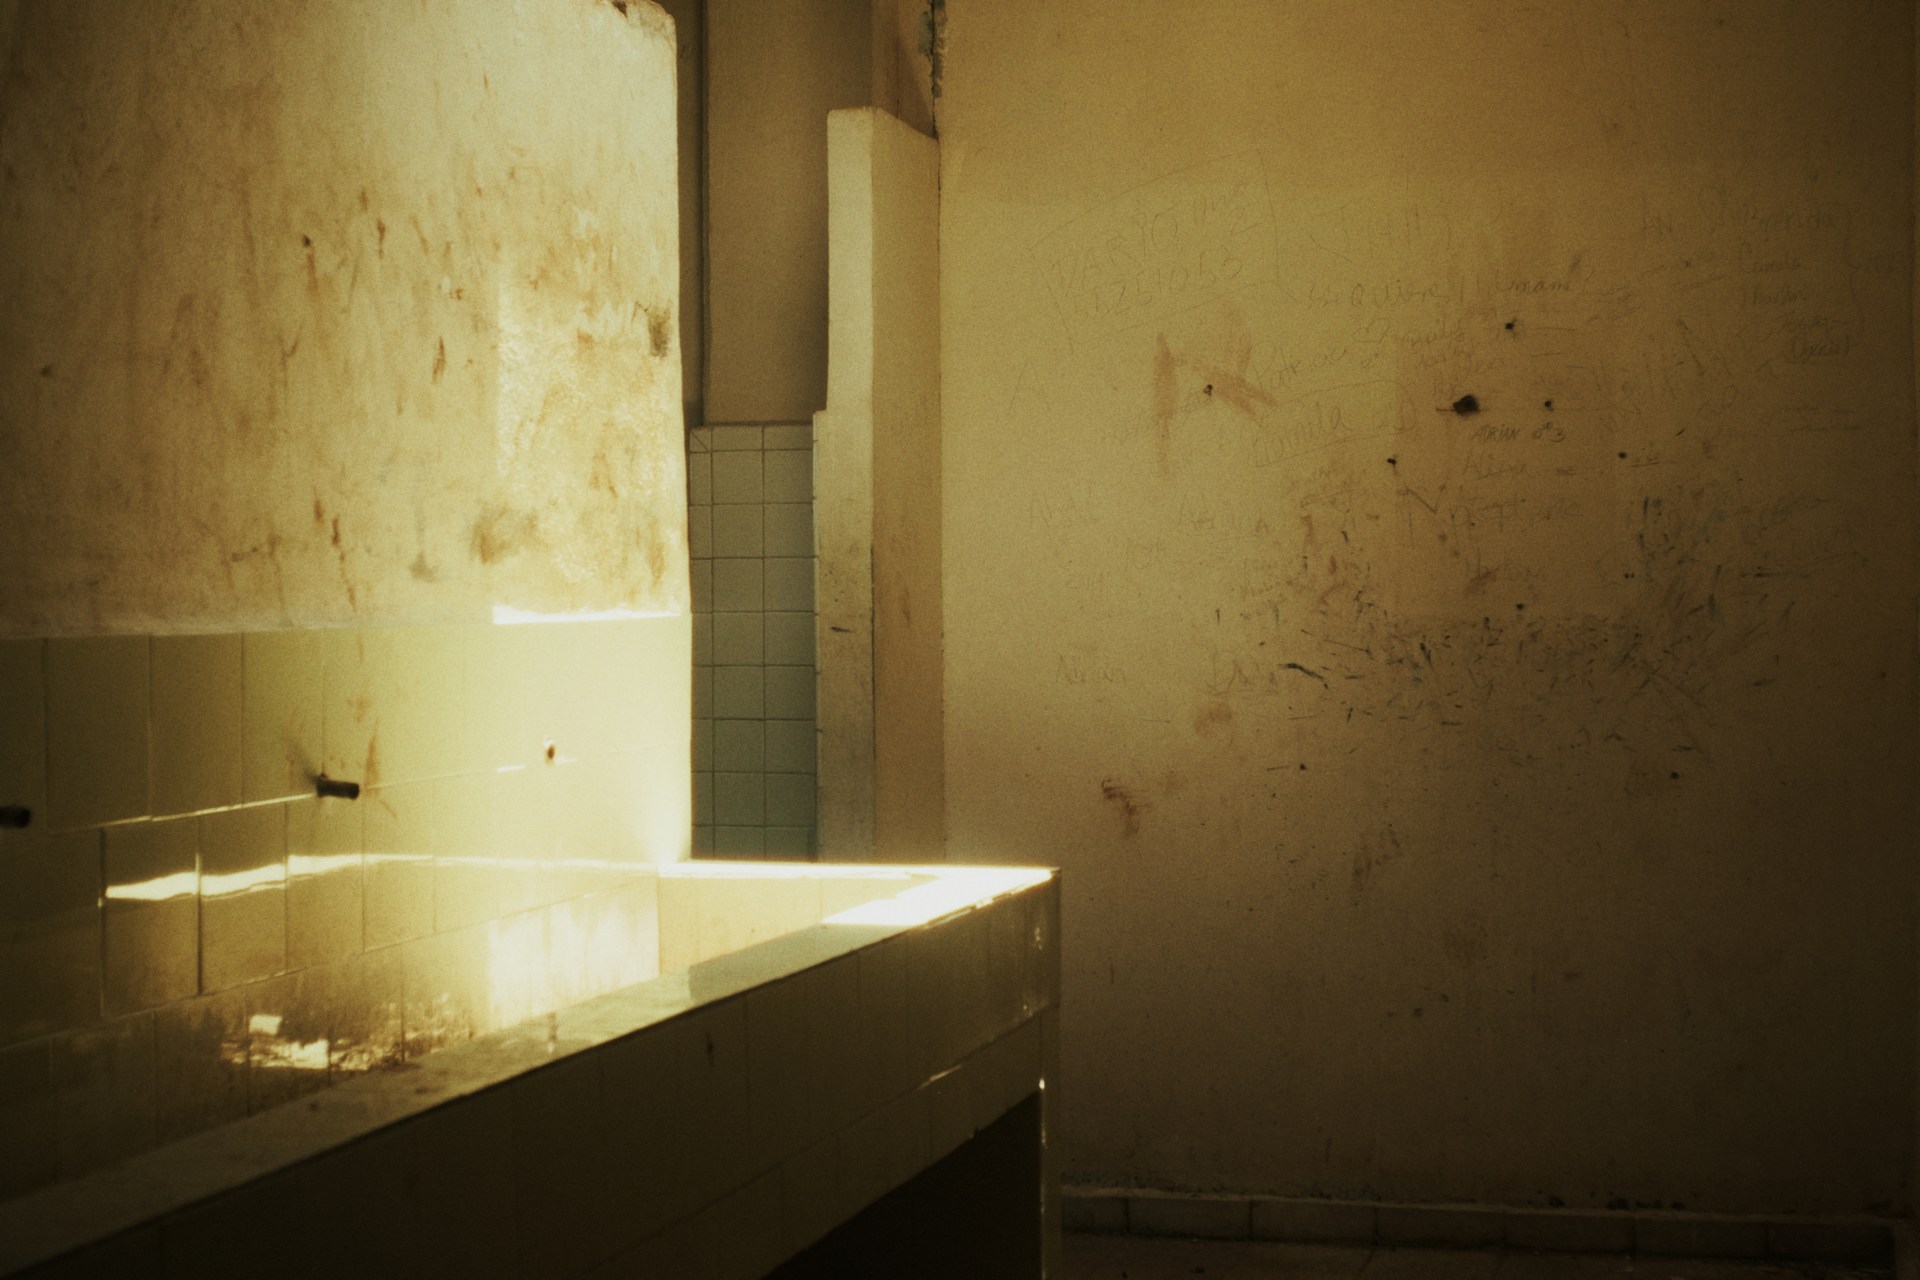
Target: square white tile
700, 533
699, 479
788, 476
563, 1208
151, 915
97, 707
789, 693
788, 842
793, 435
788, 529
736, 586
284, 689
790, 746
781, 1100
739, 799
702, 699
739, 842
728, 437
736, 477
395, 709
737, 529
325, 880
789, 639
788, 585
738, 639
739, 745
702, 639
243, 914
49, 933
739, 693
23, 726
104, 1079
397, 890
465, 1229
200, 1063
196, 719
790, 799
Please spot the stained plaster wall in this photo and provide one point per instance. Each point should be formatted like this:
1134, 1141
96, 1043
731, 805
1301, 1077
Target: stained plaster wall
690, 92
314, 319
327, 331
1504, 806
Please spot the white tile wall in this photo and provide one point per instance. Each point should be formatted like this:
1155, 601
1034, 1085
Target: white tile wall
187, 933
196, 722
97, 716
283, 694
151, 917
750, 496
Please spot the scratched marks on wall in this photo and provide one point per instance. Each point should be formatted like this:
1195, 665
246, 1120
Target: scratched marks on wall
1176, 243
418, 373
1551, 491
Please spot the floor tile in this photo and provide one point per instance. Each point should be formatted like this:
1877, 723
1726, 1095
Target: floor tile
1091, 1257
1565, 1266
1431, 1264
1118, 1257
1645, 1268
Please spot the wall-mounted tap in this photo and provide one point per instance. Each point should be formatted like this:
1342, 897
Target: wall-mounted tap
325, 786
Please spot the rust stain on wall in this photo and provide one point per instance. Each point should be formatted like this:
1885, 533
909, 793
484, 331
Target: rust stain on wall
1131, 806
660, 329
501, 533
1212, 717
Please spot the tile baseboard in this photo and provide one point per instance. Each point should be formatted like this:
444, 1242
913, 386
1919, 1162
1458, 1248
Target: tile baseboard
1121, 1211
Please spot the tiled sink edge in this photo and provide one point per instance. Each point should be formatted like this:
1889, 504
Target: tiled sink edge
126, 1208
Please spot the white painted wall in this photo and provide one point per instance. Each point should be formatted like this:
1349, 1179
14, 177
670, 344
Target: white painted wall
774, 70
877, 498
1512, 807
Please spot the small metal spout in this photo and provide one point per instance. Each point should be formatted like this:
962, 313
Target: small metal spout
325, 786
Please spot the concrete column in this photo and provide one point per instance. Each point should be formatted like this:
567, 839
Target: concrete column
877, 497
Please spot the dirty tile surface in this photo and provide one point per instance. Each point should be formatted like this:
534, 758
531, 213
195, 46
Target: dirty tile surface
1092, 1257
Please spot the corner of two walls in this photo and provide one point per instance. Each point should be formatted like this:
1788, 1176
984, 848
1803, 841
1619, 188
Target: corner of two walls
316, 376
881, 626
1527, 791
772, 76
